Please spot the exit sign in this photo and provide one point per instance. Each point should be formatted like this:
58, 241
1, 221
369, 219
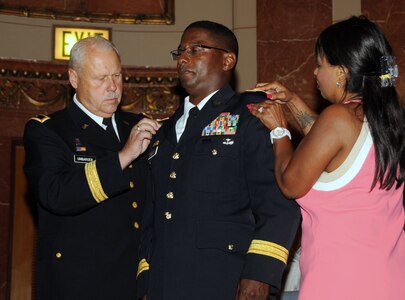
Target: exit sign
66, 37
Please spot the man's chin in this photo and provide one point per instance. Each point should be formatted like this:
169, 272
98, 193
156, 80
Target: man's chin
187, 82
111, 106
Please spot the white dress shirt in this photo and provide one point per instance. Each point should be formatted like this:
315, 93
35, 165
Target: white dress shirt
181, 122
97, 119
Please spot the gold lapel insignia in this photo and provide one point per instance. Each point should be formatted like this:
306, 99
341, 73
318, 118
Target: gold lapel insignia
40, 118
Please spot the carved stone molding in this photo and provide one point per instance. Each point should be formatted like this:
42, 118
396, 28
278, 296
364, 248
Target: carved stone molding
107, 11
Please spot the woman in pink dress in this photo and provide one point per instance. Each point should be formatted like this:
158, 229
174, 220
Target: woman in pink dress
348, 171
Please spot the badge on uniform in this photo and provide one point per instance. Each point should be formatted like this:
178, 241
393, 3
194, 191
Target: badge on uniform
228, 142
154, 150
224, 124
83, 159
78, 146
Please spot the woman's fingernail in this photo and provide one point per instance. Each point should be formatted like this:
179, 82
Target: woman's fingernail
269, 96
249, 106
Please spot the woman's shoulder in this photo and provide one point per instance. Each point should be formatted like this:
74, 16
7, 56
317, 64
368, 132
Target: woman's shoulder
340, 121
336, 114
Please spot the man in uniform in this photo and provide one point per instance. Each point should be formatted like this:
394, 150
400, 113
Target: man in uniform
90, 182
217, 226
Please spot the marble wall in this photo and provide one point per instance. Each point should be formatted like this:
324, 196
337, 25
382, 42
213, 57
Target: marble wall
286, 37
285, 42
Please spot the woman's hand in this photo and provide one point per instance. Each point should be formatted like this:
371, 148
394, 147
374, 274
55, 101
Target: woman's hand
300, 111
269, 113
276, 92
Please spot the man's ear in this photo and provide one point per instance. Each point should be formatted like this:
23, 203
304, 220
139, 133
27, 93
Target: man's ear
73, 78
229, 61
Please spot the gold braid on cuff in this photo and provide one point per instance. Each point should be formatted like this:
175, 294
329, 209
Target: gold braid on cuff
269, 249
94, 182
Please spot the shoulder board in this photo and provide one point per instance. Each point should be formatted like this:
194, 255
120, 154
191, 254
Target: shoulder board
163, 119
253, 96
40, 118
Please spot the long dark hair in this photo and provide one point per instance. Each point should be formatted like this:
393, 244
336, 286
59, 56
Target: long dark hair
358, 44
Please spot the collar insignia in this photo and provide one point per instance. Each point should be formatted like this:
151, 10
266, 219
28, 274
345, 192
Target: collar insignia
153, 152
216, 102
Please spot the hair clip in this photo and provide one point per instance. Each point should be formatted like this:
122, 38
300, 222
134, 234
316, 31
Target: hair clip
389, 71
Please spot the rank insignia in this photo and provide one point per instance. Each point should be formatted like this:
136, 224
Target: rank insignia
224, 124
153, 151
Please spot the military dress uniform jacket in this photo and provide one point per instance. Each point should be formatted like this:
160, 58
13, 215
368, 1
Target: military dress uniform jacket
89, 209
215, 214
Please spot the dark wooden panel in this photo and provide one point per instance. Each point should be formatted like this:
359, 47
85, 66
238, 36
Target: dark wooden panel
23, 234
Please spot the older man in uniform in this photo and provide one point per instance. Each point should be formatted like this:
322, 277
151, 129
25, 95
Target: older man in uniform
84, 166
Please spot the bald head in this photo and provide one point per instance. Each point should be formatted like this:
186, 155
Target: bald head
85, 46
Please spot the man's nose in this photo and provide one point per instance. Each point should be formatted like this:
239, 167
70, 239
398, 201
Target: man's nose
183, 57
112, 85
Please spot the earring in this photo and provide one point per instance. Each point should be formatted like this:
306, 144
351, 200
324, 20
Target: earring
338, 84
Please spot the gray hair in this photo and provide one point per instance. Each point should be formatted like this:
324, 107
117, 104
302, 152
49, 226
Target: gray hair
79, 50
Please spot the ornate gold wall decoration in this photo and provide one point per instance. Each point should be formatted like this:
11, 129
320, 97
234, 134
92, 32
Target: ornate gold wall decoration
106, 11
43, 87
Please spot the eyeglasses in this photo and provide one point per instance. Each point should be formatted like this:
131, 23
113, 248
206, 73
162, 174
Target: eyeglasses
193, 50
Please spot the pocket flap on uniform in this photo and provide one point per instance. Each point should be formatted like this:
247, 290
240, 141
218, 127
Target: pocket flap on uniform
226, 236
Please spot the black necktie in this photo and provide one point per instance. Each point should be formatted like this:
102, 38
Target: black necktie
110, 128
192, 114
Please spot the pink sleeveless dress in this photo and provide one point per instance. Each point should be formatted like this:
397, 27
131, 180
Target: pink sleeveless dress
353, 242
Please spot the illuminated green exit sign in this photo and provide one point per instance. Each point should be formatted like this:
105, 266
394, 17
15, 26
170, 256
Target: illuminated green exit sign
66, 37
